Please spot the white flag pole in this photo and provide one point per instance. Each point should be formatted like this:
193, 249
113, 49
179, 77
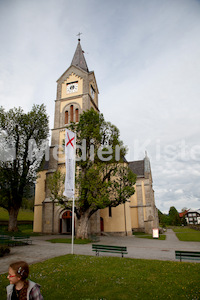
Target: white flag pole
72, 250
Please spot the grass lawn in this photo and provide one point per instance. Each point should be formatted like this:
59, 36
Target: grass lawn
24, 215
149, 236
113, 278
187, 234
24, 229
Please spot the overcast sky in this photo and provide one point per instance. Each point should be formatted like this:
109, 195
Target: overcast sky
146, 59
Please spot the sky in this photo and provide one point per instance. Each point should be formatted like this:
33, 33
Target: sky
146, 59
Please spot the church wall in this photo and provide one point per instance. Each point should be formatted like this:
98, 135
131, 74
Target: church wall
56, 116
140, 205
144, 201
61, 154
66, 102
37, 224
134, 210
39, 198
47, 216
54, 137
119, 222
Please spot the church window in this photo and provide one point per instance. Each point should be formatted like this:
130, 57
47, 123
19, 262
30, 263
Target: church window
66, 117
110, 211
72, 113
76, 115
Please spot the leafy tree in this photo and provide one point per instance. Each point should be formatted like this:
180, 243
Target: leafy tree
55, 183
102, 177
174, 216
22, 136
163, 219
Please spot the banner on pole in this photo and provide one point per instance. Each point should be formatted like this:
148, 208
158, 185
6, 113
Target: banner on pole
70, 156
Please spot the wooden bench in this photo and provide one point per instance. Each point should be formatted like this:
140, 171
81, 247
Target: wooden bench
193, 255
18, 240
22, 240
5, 240
112, 249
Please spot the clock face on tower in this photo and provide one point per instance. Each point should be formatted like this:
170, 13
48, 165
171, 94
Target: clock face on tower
72, 87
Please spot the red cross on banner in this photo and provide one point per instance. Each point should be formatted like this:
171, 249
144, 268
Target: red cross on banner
69, 140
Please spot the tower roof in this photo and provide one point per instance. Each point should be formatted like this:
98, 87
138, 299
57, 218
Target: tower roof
140, 167
79, 59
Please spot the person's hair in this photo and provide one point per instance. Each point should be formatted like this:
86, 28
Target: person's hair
21, 269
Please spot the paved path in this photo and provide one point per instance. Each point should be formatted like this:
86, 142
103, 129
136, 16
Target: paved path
41, 250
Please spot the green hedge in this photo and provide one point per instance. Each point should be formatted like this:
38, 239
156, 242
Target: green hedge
4, 250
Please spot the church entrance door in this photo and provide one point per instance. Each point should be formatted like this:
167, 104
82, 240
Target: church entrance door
66, 222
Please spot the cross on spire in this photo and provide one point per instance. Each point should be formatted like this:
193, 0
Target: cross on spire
79, 34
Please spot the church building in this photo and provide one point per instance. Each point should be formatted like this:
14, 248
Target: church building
77, 91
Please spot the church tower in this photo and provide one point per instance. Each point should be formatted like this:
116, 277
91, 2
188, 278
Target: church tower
77, 91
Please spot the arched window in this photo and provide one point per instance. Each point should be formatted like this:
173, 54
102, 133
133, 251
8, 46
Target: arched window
72, 113
110, 211
66, 117
76, 115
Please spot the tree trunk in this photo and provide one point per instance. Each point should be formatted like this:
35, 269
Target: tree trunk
82, 226
12, 225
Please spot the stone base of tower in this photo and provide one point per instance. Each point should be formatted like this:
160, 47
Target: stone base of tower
57, 220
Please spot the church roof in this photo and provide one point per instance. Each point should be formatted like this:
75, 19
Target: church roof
79, 59
137, 167
140, 167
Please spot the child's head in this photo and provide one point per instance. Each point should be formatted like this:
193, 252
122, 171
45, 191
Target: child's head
19, 269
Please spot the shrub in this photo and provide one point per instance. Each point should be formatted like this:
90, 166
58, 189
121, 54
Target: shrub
4, 250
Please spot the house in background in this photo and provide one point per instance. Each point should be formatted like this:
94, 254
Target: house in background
192, 216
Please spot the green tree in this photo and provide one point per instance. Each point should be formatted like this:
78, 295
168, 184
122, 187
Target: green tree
174, 216
55, 183
102, 176
163, 219
22, 141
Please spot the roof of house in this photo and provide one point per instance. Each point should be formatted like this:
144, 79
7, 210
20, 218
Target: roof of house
190, 210
182, 214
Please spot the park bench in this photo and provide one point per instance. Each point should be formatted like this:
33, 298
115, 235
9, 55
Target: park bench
18, 240
5, 240
112, 249
21, 240
193, 255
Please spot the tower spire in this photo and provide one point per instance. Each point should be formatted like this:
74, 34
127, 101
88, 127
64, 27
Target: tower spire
79, 59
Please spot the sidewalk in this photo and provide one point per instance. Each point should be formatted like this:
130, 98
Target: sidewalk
141, 248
